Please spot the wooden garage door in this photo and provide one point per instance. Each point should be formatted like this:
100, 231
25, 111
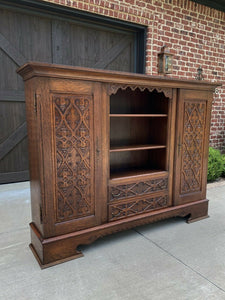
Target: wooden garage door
25, 37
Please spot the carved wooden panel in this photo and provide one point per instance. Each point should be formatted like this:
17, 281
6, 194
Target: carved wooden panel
134, 207
193, 143
137, 188
74, 166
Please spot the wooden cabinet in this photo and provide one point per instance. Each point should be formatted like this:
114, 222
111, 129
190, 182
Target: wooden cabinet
110, 151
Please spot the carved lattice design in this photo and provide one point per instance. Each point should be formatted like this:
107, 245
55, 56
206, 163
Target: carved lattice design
134, 207
192, 153
115, 87
138, 188
73, 138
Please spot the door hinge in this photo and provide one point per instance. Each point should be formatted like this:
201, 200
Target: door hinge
179, 146
36, 97
97, 148
41, 214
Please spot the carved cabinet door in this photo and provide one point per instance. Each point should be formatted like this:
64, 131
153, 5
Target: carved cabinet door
191, 146
73, 171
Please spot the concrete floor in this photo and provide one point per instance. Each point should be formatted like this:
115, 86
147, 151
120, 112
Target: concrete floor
166, 260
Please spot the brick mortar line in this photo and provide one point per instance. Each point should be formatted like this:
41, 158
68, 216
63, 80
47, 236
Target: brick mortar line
199, 8
126, 16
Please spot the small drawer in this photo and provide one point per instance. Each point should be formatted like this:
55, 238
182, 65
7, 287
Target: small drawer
137, 188
131, 207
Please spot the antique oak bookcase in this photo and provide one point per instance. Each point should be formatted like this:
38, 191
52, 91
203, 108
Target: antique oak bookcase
110, 151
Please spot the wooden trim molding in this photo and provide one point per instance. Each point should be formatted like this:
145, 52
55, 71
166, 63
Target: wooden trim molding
35, 69
113, 89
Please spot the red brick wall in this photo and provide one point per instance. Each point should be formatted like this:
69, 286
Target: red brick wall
194, 33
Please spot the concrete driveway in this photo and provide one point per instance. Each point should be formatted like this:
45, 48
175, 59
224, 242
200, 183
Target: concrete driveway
165, 260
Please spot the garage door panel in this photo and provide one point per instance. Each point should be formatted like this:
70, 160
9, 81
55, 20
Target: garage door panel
8, 76
124, 61
27, 36
12, 115
88, 47
16, 159
35, 38
61, 43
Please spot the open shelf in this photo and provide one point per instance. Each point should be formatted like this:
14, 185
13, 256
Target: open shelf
136, 148
122, 174
138, 133
126, 132
138, 102
138, 115
137, 162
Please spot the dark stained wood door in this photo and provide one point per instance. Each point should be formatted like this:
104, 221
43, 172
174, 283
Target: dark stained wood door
191, 148
32, 37
68, 142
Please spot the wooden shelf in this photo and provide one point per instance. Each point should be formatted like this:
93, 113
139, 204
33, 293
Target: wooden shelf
134, 173
135, 148
137, 115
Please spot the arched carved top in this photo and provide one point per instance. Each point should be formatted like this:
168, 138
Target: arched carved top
113, 89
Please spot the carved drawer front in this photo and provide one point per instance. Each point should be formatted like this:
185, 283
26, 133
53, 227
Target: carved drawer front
137, 188
131, 207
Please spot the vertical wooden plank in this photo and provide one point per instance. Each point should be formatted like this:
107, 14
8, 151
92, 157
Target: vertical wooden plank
10, 30
34, 34
61, 42
79, 45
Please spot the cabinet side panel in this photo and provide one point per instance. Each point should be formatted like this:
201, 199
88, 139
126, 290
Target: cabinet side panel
33, 115
73, 132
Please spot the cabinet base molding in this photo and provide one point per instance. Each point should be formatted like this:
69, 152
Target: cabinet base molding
54, 250
56, 262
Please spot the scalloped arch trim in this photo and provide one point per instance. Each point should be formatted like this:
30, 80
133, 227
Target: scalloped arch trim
113, 89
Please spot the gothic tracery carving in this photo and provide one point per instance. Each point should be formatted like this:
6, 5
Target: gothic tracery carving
73, 138
192, 152
119, 192
134, 207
